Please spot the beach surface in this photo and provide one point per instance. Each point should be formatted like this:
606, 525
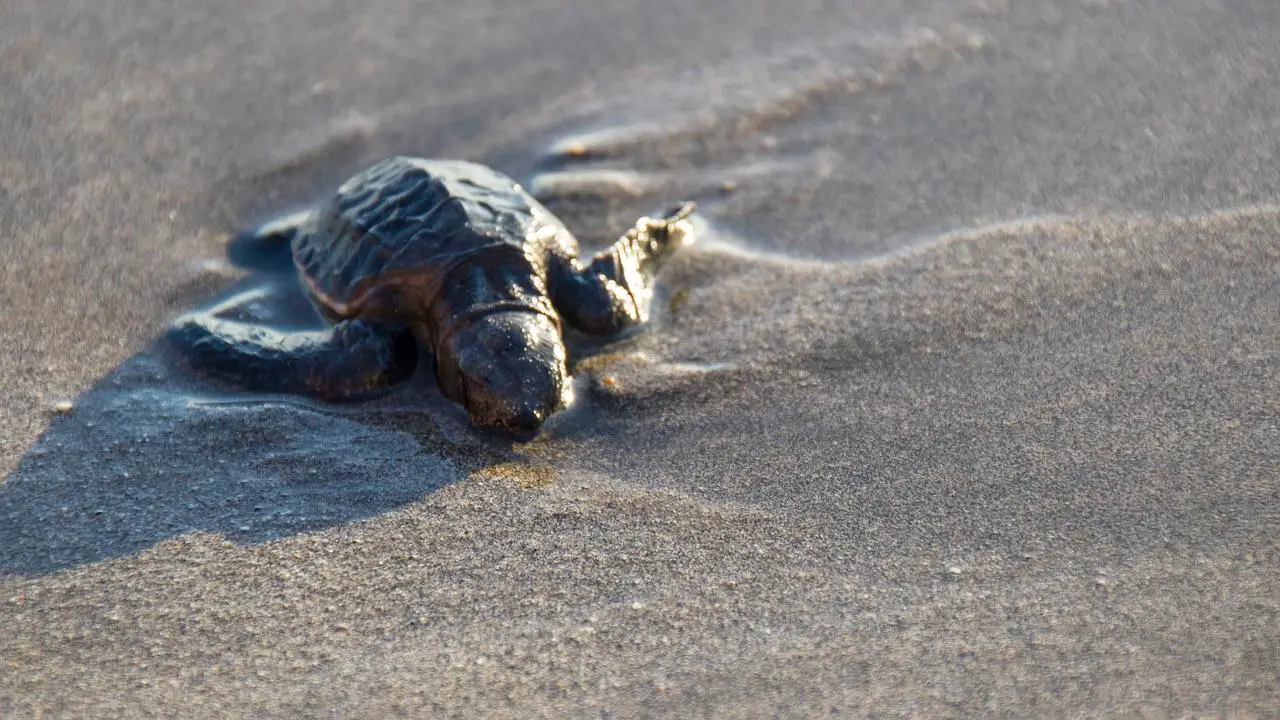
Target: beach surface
966, 403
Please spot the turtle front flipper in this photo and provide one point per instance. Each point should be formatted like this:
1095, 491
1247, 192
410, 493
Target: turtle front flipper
352, 360
612, 292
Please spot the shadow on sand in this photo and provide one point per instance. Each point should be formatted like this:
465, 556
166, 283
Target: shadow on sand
150, 453
153, 451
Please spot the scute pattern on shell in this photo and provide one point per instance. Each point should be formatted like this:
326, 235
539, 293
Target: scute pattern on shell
405, 222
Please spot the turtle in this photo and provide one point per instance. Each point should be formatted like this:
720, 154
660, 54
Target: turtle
450, 260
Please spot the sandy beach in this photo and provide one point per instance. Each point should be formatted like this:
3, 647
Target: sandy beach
966, 403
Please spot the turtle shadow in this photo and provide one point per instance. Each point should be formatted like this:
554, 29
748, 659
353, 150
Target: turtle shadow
153, 451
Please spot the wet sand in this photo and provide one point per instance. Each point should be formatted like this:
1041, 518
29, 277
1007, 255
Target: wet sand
965, 404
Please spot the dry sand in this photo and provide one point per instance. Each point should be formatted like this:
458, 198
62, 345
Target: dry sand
966, 404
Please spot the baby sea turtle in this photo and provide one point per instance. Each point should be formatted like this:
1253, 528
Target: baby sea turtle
443, 257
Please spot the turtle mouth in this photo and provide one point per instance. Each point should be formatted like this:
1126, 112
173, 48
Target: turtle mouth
522, 421
511, 428
527, 421
521, 435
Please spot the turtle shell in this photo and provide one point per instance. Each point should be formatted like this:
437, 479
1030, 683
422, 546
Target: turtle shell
381, 247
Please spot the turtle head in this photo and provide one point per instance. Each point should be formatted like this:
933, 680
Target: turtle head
507, 369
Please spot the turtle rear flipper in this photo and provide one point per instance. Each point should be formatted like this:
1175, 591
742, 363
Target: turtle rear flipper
268, 247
